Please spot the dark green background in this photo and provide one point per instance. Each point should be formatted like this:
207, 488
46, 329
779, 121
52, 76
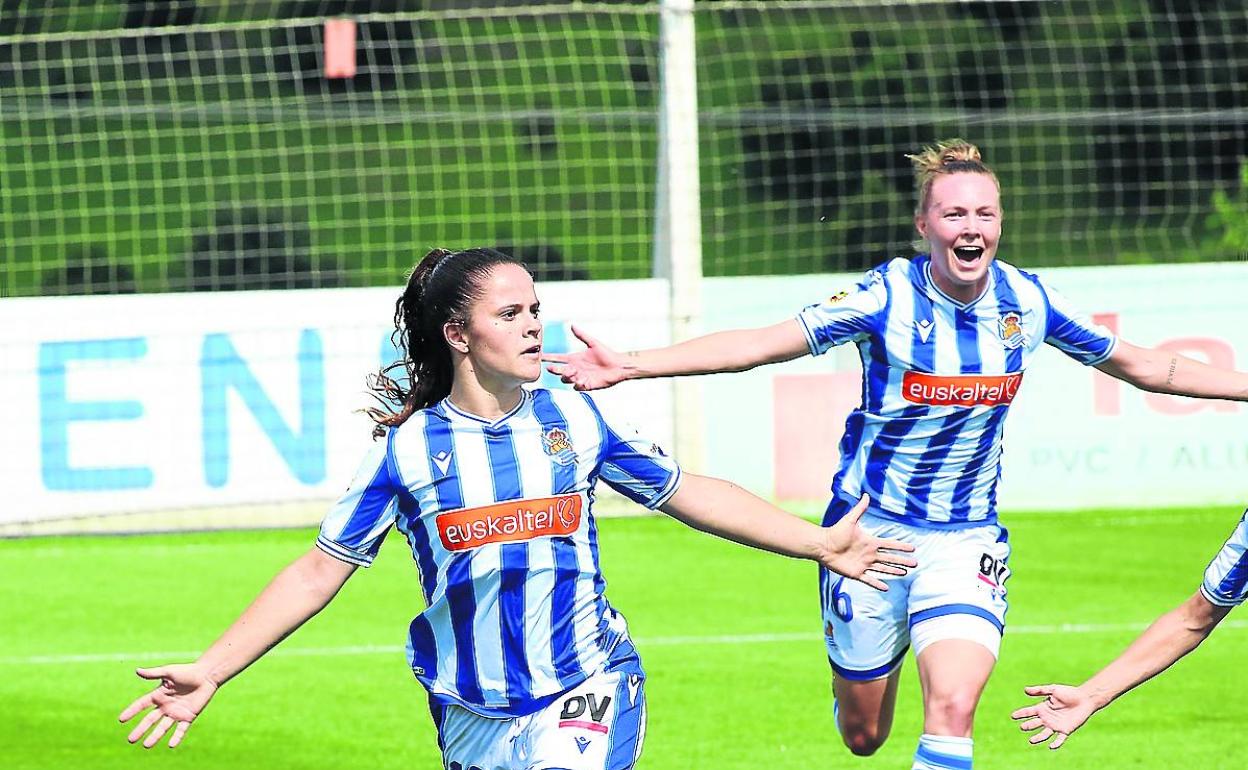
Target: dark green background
196, 145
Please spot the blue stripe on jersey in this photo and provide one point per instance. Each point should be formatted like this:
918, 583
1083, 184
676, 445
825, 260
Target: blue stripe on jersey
875, 373
600, 583
959, 507
929, 465
514, 560
1236, 579
408, 522
377, 494
1007, 302
460, 598
886, 443
563, 593
968, 340
563, 599
563, 476
922, 352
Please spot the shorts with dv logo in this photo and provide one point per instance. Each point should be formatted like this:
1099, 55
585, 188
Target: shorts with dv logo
956, 592
598, 725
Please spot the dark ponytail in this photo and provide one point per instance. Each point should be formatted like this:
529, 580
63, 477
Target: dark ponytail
440, 289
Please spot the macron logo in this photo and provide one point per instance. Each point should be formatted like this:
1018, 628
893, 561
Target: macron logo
925, 329
443, 461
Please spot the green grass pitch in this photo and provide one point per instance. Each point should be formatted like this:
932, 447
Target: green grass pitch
730, 638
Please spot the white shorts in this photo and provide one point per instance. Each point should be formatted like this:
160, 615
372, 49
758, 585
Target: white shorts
956, 592
599, 725
1226, 579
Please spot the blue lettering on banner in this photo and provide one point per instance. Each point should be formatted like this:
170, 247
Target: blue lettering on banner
56, 412
224, 369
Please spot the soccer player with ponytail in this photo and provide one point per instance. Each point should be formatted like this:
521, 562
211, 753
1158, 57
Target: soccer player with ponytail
527, 664
944, 339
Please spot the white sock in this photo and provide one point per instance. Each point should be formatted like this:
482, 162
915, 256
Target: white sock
943, 752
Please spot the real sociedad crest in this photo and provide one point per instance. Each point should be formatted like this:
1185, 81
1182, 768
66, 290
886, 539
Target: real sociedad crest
555, 442
1011, 326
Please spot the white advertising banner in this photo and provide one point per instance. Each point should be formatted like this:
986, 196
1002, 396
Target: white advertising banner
158, 402
162, 402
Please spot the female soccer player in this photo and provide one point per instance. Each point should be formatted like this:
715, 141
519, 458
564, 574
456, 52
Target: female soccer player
944, 339
1170, 637
526, 663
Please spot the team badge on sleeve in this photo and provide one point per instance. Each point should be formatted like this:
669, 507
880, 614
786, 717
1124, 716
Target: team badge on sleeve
835, 298
1011, 327
556, 443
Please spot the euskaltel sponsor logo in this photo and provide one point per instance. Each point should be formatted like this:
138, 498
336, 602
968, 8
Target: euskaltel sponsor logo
509, 522
960, 389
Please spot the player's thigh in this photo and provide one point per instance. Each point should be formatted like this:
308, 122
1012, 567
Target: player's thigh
866, 706
472, 742
599, 725
959, 589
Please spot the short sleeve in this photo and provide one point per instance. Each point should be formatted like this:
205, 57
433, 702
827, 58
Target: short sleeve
357, 523
1073, 332
635, 466
1226, 578
846, 316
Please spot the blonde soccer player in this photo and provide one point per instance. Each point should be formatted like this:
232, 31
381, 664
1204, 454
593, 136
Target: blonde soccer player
945, 339
527, 665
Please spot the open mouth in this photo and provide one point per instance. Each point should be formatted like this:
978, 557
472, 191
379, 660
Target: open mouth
968, 255
533, 351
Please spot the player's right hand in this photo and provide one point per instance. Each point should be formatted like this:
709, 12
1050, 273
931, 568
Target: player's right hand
183, 693
1063, 710
598, 366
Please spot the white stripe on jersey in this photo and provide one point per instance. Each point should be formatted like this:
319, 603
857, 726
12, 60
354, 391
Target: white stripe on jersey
939, 376
515, 609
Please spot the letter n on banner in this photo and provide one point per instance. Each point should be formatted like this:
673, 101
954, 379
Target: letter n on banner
810, 412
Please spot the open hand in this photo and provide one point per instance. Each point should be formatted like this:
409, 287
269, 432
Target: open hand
598, 366
854, 553
182, 694
1063, 710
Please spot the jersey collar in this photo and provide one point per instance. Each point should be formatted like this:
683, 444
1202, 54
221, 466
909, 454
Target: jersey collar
453, 413
931, 283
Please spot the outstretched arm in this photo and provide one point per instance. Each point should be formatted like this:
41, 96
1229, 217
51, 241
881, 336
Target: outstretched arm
725, 509
598, 366
1173, 635
1162, 371
296, 594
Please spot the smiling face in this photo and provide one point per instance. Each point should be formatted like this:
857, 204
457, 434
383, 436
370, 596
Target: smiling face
502, 337
962, 225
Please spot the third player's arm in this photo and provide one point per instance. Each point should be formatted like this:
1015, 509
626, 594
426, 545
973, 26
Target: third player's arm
1170, 637
1163, 371
725, 509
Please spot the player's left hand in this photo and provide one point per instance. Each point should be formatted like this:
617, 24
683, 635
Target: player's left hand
852, 552
1063, 710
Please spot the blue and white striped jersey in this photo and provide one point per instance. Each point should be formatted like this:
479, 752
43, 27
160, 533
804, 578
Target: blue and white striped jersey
1226, 577
498, 518
938, 379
